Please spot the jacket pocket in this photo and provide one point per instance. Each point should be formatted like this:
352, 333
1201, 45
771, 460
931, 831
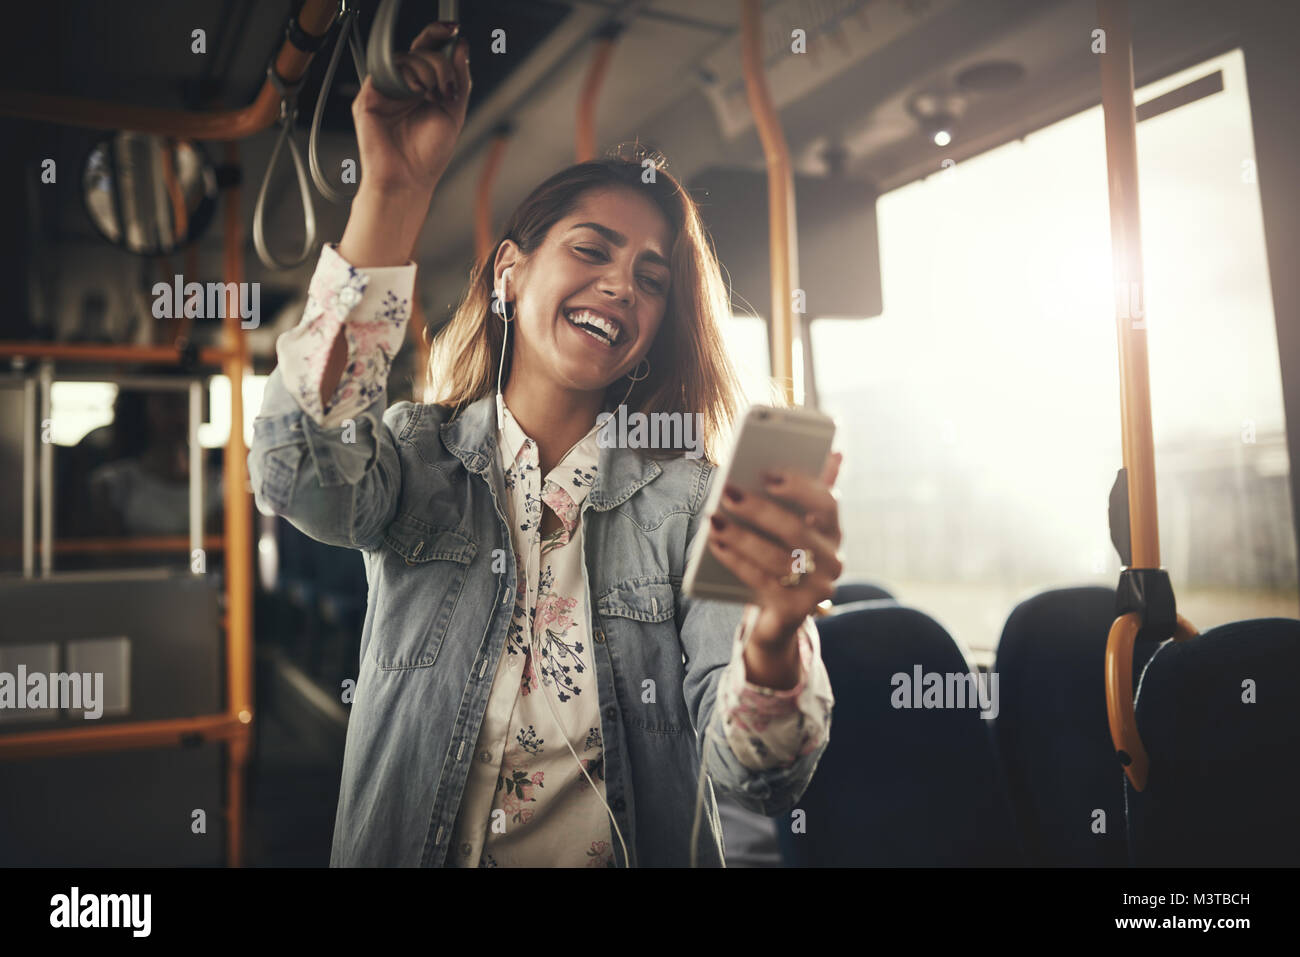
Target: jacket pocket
638, 621
423, 572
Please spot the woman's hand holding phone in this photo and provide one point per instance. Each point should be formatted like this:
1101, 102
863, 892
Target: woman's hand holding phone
809, 545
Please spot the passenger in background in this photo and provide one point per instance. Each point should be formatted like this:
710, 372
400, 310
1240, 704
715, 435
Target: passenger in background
144, 488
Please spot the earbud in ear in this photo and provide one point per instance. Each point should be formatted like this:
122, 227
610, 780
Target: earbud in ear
502, 307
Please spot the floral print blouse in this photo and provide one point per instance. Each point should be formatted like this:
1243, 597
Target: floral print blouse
529, 800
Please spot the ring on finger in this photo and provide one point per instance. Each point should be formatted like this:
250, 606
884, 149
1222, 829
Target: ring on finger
793, 579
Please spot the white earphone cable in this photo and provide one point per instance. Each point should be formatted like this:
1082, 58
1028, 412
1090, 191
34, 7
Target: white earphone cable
699, 797
530, 597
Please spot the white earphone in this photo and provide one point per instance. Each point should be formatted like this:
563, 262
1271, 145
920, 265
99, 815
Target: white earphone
499, 307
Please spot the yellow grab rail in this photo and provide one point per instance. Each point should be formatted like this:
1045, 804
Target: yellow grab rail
782, 241
314, 19
586, 136
1120, 115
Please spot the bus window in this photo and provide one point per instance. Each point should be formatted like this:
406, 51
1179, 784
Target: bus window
747, 347
213, 434
980, 412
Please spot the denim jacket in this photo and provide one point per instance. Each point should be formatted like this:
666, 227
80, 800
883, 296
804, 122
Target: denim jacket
420, 493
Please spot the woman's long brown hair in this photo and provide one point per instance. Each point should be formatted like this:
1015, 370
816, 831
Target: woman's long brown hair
690, 371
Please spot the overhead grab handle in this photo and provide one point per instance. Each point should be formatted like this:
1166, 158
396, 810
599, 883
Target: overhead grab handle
349, 34
379, 50
288, 116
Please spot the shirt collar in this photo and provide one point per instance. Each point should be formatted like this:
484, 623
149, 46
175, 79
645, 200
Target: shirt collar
575, 472
472, 437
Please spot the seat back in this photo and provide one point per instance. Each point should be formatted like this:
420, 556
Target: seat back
1052, 732
1219, 715
848, 592
898, 786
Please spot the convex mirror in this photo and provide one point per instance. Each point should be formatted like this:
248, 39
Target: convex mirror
149, 194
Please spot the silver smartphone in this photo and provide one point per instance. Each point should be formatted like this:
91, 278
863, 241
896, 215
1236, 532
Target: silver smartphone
795, 439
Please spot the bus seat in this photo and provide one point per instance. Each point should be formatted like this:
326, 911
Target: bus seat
1217, 715
848, 592
898, 786
1052, 731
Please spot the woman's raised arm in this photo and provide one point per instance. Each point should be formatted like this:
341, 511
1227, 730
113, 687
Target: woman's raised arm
405, 148
323, 452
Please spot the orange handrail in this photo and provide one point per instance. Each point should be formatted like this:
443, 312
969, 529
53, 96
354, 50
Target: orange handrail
180, 216
1120, 713
1126, 252
586, 150
315, 19
238, 520
483, 197
88, 352
1134, 387
782, 240
115, 737
115, 544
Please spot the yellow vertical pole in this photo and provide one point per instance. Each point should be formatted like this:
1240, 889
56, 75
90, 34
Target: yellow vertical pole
586, 135
239, 531
782, 238
1130, 300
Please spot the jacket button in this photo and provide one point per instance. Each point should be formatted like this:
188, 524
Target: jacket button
599, 636
465, 850
485, 757
611, 713
617, 804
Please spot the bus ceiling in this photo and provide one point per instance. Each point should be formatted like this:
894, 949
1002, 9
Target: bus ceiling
881, 80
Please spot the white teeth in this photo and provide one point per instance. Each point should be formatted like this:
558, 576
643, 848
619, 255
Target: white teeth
583, 317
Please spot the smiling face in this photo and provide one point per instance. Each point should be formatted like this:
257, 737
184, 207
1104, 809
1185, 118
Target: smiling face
602, 272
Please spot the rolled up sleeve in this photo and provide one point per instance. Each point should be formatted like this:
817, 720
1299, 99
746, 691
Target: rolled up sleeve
333, 471
769, 728
372, 306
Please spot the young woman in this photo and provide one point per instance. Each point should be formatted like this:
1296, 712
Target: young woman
534, 688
